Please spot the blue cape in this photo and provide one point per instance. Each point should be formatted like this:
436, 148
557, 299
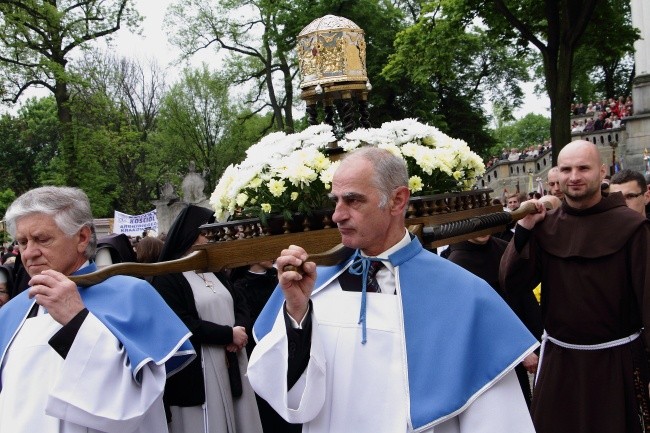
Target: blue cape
460, 336
134, 313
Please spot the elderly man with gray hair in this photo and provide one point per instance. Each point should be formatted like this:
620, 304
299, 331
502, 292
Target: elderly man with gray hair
82, 359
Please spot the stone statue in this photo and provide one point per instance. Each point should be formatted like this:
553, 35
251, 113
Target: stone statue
167, 192
193, 185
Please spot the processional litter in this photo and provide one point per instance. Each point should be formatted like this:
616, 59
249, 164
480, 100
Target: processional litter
332, 60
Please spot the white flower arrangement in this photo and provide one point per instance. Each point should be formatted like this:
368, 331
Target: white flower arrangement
436, 162
283, 174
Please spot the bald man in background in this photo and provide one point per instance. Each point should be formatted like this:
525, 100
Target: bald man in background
553, 181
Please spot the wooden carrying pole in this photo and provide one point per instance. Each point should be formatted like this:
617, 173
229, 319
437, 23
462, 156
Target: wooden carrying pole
216, 256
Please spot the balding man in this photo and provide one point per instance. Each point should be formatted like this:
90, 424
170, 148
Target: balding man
553, 181
394, 339
591, 256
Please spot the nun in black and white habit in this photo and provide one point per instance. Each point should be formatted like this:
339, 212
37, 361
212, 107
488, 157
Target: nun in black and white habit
217, 397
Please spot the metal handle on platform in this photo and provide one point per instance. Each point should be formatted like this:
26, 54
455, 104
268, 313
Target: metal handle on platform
474, 224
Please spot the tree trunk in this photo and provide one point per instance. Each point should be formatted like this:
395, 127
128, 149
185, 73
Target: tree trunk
560, 96
68, 152
268, 63
288, 90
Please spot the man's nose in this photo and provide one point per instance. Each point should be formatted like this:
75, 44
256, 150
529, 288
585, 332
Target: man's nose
29, 250
339, 213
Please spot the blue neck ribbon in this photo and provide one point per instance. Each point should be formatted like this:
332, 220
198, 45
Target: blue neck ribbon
360, 266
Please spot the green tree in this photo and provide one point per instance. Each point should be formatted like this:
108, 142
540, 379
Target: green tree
530, 130
195, 116
116, 108
36, 44
259, 39
451, 67
6, 198
556, 30
604, 63
28, 143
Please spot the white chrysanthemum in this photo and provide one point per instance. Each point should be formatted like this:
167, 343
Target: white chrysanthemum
327, 175
392, 148
349, 145
255, 183
220, 198
411, 149
301, 175
427, 159
276, 187
415, 184
241, 199
320, 162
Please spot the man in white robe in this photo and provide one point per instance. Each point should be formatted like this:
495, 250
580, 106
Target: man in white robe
80, 359
434, 350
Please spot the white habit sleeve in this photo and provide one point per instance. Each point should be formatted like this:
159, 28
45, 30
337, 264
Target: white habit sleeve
96, 387
267, 373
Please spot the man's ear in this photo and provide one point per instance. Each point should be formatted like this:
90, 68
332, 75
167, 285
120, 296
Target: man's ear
400, 200
84, 238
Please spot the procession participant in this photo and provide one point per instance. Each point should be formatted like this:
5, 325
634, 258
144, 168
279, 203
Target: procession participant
422, 344
5, 285
633, 186
553, 182
591, 256
82, 359
211, 395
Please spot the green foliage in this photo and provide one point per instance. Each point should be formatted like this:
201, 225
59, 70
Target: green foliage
555, 31
245, 130
115, 110
35, 47
604, 63
530, 130
6, 198
257, 37
195, 117
448, 67
28, 143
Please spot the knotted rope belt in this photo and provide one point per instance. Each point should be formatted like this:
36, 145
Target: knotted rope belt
605, 345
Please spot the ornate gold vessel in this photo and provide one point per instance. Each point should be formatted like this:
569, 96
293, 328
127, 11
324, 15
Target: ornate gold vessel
332, 61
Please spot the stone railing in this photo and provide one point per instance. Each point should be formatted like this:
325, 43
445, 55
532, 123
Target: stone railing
510, 174
603, 137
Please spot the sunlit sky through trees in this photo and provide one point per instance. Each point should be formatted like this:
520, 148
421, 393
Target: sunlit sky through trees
153, 45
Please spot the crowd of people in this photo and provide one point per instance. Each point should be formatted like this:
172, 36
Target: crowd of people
515, 154
593, 116
605, 114
396, 338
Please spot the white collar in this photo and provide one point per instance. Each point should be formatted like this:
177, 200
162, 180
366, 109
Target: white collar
398, 246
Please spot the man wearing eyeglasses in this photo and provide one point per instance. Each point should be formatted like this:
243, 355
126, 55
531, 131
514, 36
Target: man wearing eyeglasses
633, 186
